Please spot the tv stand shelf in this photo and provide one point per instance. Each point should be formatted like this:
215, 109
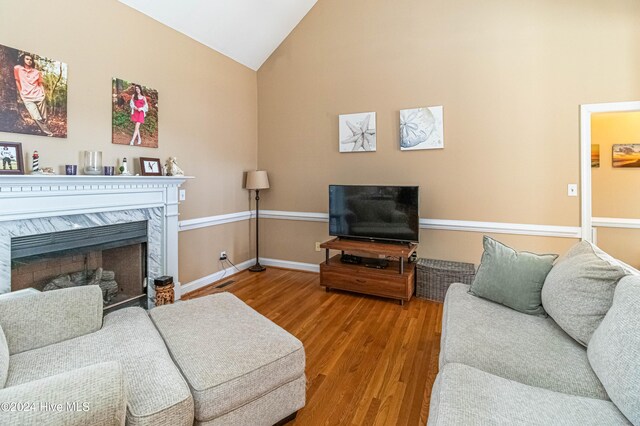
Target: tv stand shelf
396, 281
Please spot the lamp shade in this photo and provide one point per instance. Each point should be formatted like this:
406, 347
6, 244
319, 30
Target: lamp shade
257, 180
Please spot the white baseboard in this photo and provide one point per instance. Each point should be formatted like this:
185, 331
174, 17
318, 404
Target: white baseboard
216, 276
205, 281
310, 267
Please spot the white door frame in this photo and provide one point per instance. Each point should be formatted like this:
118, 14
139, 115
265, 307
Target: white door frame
585, 157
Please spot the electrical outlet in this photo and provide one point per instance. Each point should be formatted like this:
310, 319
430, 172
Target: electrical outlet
318, 246
182, 195
223, 255
572, 190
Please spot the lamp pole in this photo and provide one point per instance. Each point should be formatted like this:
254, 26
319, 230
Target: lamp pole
257, 267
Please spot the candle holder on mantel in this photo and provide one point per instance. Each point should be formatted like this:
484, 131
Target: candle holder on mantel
92, 162
164, 290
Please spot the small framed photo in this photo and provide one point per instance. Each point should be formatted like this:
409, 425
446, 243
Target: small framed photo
11, 157
150, 166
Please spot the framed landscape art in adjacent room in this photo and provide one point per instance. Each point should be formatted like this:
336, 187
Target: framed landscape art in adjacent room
134, 114
33, 94
626, 155
595, 155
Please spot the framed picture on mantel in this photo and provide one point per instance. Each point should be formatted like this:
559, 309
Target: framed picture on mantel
11, 158
150, 166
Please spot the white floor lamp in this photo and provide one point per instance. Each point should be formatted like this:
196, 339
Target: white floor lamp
257, 180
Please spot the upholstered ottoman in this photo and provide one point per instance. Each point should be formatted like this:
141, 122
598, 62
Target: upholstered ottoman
242, 368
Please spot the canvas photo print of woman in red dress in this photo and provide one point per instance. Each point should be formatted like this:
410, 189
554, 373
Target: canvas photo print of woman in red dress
135, 114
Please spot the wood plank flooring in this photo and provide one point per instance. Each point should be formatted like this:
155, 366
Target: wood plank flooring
370, 361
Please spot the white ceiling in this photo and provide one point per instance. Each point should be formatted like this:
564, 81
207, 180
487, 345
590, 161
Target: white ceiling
247, 31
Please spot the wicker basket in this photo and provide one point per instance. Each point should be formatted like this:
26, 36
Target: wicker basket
435, 276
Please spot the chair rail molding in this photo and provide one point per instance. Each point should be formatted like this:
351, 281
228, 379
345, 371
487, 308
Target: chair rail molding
203, 222
440, 224
615, 222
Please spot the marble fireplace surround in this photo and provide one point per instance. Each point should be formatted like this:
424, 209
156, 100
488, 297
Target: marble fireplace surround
31, 205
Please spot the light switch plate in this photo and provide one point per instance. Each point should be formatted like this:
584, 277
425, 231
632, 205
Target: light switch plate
572, 190
182, 194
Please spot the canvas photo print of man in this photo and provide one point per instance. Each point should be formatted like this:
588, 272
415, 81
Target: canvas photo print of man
33, 94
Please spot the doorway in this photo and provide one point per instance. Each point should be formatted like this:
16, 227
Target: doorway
614, 214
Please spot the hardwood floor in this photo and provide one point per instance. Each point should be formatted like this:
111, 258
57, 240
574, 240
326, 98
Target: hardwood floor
370, 361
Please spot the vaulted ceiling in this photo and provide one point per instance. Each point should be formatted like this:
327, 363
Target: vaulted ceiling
247, 31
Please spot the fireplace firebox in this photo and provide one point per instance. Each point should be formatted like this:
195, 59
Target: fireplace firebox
113, 257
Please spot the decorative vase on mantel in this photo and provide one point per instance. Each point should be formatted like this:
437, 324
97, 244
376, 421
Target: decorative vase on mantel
92, 162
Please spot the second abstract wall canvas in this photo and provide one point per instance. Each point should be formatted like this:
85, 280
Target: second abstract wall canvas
421, 128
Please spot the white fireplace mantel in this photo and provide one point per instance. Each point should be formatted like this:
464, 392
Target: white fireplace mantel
28, 197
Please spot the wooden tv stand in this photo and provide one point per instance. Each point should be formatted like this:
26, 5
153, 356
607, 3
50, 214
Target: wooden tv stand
396, 281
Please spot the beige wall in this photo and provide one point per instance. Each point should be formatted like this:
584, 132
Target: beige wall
510, 75
207, 107
614, 189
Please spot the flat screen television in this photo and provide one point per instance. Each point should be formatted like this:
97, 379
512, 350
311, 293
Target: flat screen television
387, 213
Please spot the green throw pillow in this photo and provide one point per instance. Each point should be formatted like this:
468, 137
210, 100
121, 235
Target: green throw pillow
512, 278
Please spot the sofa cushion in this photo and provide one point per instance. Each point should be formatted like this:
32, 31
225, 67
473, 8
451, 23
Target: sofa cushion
92, 395
579, 289
529, 349
512, 278
4, 359
156, 392
36, 319
614, 349
231, 355
463, 395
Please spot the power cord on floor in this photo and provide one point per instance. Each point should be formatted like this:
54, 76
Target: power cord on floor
222, 266
232, 264
224, 270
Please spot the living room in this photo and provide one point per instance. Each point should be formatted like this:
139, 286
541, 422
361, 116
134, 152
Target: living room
511, 78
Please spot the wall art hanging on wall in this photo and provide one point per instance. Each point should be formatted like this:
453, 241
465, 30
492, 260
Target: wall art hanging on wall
135, 114
33, 94
595, 155
421, 128
626, 155
11, 158
357, 132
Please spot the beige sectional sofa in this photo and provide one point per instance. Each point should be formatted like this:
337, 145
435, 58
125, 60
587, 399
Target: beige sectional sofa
502, 367
62, 363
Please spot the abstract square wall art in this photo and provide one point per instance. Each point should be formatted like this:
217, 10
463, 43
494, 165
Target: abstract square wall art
421, 128
357, 132
626, 155
33, 94
134, 114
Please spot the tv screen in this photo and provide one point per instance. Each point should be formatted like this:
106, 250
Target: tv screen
374, 212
